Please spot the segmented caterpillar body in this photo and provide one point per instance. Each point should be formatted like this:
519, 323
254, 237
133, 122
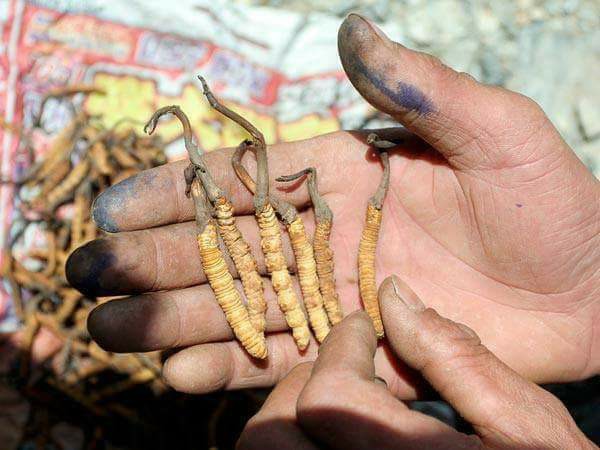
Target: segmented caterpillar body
61, 170
99, 156
272, 248
367, 248
307, 277
366, 267
62, 192
323, 255
227, 296
324, 261
244, 262
61, 146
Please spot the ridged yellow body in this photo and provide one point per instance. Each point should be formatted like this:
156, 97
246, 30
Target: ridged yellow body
79, 211
61, 170
307, 276
60, 147
123, 158
99, 155
366, 267
227, 296
282, 282
244, 262
324, 260
64, 189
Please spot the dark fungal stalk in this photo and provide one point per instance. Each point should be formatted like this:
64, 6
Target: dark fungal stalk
258, 142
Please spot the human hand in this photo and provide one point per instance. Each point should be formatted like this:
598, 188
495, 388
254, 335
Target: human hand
495, 223
338, 403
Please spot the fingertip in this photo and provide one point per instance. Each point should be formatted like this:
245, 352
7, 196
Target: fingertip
394, 293
108, 328
86, 266
378, 69
115, 202
199, 369
103, 214
96, 325
135, 202
349, 347
357, 323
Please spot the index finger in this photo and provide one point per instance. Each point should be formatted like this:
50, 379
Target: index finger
157, 196
348, 350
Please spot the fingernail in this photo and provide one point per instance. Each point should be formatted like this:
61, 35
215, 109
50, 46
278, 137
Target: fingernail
378, 31
102, 215
406, 295
381, 381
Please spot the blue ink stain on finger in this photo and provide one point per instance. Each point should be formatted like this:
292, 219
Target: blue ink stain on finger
110, 203
357, 42
102, 216
404, 95
86, 266
109, 206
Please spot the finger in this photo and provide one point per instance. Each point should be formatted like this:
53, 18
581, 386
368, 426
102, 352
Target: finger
157, 196
473, 125
275, 423
226, 365
348, 350
170, 319
156, 259
342, 407
504, 408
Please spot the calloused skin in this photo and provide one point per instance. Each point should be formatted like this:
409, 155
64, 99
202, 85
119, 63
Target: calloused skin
490, 218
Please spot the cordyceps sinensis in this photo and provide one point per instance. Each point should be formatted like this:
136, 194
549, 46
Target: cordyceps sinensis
270, 233
303, 251
322, 249
368, 241
248, 323
220, 279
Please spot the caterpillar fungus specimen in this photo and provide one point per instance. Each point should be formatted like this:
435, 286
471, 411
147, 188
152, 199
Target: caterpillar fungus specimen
368, 241
303, 251
248, 324
270, 232
322, 249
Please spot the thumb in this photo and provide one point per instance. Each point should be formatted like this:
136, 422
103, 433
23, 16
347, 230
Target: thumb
473, 125
504, 408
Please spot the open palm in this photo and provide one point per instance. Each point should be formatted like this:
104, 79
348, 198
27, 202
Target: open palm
493, 222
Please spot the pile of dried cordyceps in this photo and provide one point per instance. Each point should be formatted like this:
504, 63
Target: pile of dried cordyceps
56, 193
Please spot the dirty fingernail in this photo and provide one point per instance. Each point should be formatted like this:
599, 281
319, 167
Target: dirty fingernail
378, 31
407, 295
381, 381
